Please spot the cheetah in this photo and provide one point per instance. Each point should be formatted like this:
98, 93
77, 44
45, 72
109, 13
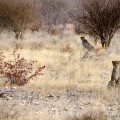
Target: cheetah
115, 77
86, 44
90, 49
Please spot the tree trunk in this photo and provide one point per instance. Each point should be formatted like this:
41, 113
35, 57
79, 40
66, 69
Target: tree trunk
115, 77
19, 35
105, 43
108, 43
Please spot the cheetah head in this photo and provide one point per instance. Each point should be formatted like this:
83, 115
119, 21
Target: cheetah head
82, 38
115, 63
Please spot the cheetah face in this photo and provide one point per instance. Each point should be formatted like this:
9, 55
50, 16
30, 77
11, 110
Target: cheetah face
116, 63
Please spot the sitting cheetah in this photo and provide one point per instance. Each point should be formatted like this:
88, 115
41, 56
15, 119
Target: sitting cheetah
90, 49
115, 77
86, 44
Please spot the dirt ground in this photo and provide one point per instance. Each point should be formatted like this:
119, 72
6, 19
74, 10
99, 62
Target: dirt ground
21, 103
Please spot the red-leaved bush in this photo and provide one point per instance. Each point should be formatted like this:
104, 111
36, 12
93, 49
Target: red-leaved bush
19, 70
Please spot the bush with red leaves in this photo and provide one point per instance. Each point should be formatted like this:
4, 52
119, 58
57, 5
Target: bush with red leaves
18, 71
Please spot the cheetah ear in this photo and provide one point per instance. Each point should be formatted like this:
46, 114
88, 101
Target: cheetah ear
118, 62
114, 62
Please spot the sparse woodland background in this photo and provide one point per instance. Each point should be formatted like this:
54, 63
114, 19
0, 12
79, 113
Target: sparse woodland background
96, 18
41, 51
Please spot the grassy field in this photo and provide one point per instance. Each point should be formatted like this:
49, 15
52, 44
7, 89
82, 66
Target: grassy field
62, 58
65, 70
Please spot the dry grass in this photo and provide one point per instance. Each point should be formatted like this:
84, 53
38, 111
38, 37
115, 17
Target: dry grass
10, 114
17, 111
64, 70
93, 115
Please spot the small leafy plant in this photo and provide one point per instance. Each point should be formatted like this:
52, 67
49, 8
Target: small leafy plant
19, 70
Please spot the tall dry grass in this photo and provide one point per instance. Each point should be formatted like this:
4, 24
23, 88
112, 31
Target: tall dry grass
64, 69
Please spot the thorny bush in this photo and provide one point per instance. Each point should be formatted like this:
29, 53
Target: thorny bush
19, 70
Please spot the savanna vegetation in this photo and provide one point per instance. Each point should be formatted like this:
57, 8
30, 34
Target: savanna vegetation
43, 74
